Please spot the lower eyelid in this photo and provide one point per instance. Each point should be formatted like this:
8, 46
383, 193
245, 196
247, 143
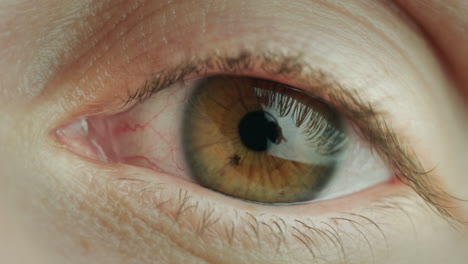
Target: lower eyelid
201, 214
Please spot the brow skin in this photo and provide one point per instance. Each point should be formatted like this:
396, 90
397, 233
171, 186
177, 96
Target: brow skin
370, 123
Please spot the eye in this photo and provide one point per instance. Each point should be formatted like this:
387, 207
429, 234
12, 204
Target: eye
250, 138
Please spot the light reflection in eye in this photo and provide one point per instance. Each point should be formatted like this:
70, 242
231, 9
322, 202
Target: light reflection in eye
147, 135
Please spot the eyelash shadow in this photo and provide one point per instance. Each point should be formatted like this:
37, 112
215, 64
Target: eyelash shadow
369, 123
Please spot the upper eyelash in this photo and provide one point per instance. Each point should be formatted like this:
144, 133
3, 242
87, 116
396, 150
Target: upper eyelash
369, 123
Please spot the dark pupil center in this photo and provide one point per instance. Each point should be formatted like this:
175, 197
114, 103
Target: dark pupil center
255, 129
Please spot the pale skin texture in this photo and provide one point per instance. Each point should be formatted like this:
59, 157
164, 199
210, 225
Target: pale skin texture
58, 57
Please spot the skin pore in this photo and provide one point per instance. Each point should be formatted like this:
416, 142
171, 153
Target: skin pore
65, 59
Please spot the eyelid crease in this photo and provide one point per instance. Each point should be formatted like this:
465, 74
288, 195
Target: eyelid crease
366, 120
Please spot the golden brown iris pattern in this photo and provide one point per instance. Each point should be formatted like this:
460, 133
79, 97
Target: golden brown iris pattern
260, 140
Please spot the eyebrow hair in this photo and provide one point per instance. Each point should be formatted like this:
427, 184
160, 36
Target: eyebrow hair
369, 123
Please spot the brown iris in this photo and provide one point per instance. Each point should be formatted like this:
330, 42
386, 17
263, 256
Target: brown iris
260, 140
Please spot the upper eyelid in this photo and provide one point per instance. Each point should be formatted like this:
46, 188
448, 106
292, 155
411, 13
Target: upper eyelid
272, 63
371, 123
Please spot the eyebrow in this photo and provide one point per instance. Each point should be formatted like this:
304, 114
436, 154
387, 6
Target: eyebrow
370, 123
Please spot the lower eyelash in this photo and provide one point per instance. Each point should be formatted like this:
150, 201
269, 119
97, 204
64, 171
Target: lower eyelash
332, 239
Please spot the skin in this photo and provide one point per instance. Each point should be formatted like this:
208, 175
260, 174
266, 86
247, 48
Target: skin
60, 57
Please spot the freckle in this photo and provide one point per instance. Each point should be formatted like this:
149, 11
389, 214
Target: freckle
234, 160
84, 245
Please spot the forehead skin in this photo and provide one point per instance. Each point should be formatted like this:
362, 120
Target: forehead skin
40, 39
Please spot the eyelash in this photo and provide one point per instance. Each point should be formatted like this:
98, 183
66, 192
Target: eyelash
369, 123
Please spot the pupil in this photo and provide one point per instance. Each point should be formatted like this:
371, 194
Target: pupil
255, 129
